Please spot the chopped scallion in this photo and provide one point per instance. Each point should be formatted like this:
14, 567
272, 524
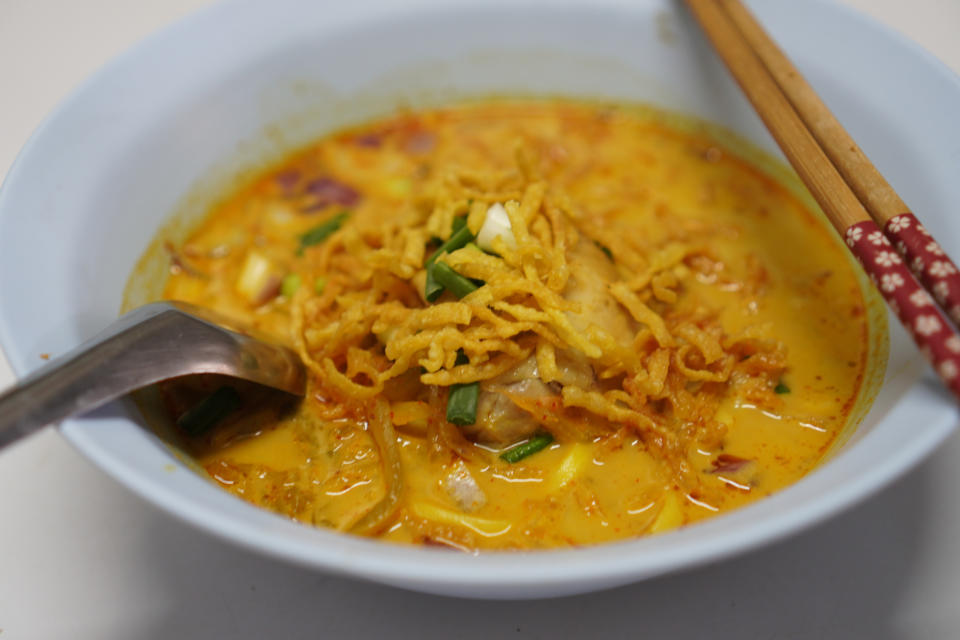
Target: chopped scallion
457, 240
211, 410
291, 282
781, 388
322, 231
462, 403
606, 251
451, 280
431, 289
528, 448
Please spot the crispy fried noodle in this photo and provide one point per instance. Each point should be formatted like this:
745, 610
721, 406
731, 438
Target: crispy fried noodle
573, 326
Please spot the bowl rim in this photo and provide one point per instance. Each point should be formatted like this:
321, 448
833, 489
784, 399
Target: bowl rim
550, 571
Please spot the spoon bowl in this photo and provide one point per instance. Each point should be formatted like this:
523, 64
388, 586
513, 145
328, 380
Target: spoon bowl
154, 342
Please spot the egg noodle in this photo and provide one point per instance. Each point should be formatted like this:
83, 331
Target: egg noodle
528, 324
664, 383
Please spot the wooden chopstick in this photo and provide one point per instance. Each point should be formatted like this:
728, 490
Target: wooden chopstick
927, 324
924, 255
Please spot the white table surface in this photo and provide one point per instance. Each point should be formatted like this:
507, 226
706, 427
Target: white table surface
81, 557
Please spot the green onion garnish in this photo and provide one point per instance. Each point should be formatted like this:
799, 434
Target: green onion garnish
211, 410
459, 238
451, 280
781, 388
528, 448
605, 249
459, 223
462, 403
322, 231
431, 289
291, 282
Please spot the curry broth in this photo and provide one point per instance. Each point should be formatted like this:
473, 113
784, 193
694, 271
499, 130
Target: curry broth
776, 270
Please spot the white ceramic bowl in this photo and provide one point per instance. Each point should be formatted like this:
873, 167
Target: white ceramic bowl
165, 125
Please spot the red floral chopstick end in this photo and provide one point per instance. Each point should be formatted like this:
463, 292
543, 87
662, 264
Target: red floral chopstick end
917, 311
927, 261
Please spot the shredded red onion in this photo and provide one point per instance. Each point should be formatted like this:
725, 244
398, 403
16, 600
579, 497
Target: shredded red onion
420, 142
726, 463
328, 191
371, 140
287, 180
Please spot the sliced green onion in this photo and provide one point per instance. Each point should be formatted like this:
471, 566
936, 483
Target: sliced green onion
458, 240
528, 448
451, 280
431, 289
459, 223
291, 282
605, 249
462, 403
322, 231
319, 285
781, 388
211, 410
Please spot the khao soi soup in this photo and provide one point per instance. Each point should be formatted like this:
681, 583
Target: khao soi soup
527, 325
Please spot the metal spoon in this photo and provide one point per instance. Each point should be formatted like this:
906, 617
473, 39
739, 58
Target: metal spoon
152, 343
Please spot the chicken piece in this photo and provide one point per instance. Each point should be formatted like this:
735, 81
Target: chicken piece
591, 271
499, 421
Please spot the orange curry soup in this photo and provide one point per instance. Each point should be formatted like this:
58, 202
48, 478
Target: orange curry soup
528, 325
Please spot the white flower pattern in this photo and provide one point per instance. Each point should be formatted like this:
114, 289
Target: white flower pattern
890, 282
853, 235
887, 259
920, 298
917, 265
899, 223
948, 369
927, 325
953, 343
922, 229
942, 269
934, 248
875, 238
941, 290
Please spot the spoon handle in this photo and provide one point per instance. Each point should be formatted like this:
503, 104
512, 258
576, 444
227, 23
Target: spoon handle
155, 342
113, 363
